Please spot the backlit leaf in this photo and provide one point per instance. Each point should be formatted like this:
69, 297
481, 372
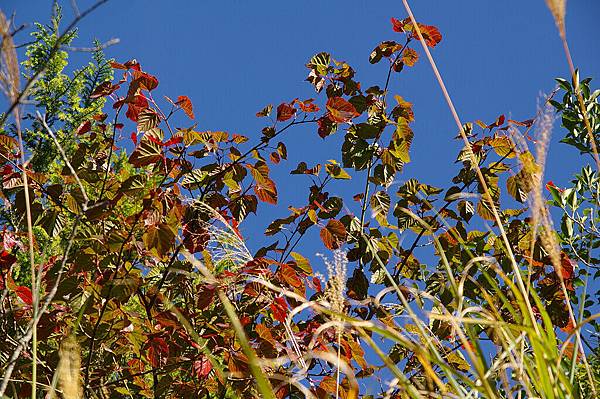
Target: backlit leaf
410, 56
333, 234
285, 112
340, 110
186, 105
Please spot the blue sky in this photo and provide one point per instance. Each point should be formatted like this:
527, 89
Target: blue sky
233, 57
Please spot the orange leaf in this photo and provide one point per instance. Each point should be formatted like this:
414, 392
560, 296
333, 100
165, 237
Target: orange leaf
290, 276
266, 191
334, 234
410, 56
431, 34
186, 105
340, 110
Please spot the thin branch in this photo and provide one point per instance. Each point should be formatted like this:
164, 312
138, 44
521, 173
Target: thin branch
102, 46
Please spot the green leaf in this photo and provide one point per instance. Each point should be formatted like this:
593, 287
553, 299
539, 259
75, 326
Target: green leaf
380, 205
159, 239
147, 120
334, 170
302, 263
320, 62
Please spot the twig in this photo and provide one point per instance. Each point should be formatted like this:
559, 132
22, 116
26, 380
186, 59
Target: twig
102, 46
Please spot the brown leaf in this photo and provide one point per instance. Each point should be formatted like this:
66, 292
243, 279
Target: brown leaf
334, 234
285, 111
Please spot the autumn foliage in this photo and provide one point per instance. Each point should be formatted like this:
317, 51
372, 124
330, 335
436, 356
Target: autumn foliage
145, 281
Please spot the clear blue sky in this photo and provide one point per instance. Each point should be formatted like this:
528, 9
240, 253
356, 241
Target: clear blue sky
233, 57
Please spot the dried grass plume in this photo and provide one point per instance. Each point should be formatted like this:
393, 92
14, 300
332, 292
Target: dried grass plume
558, 10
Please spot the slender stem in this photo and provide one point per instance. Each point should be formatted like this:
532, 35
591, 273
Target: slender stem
486, 192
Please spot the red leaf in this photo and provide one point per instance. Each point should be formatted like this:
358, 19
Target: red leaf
308, 106
326, 127
173, 141
315, 284
274, 157
145, 80
285, 111
397, 25
134, 138
186, 105
195, 236
7, 170
25, 294
430, 33
104, 89
84, 127
119, 126
158, 351
205, 295
279, 308
136, 106
133, 64
567, 266
202, 367
117, 65
497, 122
340, 110
551, 184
